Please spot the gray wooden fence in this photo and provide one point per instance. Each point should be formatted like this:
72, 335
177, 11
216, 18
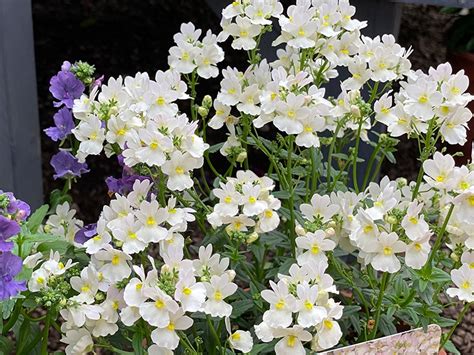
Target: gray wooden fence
20, 153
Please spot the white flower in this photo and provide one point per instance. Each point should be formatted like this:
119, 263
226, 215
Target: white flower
98, 242
116, 267
385, 249
157, 313
166, 336
221, 116
465, 206
178, 170
158, 350
439, 171
217, 290
422, 96
309, 313
328, 332
87, 285
314, 246
151, 215
126, 231
463, 278
417, 252
292, 340
208, 263
320, 208
415, 225
250, 199
239, 340
91, 135
249, 100
190, 293
79, 341
243, 31
454, 127
282, 305
366, 231
229, 199
269, 218
289, 114
155, 146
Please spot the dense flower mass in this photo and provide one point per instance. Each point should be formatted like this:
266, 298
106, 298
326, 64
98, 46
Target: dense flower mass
297, 244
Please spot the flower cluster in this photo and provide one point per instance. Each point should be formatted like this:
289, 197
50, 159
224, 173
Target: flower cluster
13, 213
246, 202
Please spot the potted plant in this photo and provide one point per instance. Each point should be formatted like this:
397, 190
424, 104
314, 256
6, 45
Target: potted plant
189, 258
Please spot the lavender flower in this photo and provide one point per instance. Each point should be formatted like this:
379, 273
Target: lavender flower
64, 124
19, 209
66, 165
8, 228
65, 87
123, 185
10, 266
86, 233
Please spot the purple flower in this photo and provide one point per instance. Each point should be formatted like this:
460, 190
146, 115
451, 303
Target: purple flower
8, 228
64, 124
86, 233
66, 66
65, 87
66, 165
17, 208
10, 266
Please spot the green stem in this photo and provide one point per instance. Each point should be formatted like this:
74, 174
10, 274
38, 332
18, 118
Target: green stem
44, 344
370, 164
355, 181
213, 331
461, 315
331, 151
13, 317
383, 286
291, 202
438, 242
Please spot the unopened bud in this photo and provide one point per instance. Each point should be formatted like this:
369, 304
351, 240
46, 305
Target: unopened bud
401, 182
355, 111
165, 269
391, 219
454, 257
300, 230
354, 95
330, 232
252, 238
118, 243
332, 224
203, 112
207, 101
230, 275
242, 156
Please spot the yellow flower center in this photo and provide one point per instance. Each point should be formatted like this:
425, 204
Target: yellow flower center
132, 235
40, 280
301, 32
153, 145
465, 285
308, 305
170, 326
238, 225
455, 90
441, 178
268, 213
315, 249
243, 33
235, 336
328, 324
413, 220
159, 304
228, 199
138, 286
291, 341
115, 305
345, 51
97, 238
444, 110
463, 185
115, 260
308, 129
471, 265
423, 99
387, 251
368, 228
187, 291
93, 136
160, 101
291, 114
185, 56
273, 96
100, 276
150, 221
470, 199
179, 170
60, 265
252, 200
85, 288
418, 246
218, 296
280, 305
121, 132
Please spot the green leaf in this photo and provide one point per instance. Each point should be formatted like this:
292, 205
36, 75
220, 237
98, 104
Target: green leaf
386, 325
37, 218
450, 347
240, 307
137, 343
438, 276
40, 238
6, 345
264, 348
214, 148
351, 309
60, 245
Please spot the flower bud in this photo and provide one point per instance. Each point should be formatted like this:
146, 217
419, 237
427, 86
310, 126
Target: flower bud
165, 269
391, 219
330, 232
203, 112
401, 182
300, 230
252, 238
230, 275
355, 111
454, 257
242, 156
207, 101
